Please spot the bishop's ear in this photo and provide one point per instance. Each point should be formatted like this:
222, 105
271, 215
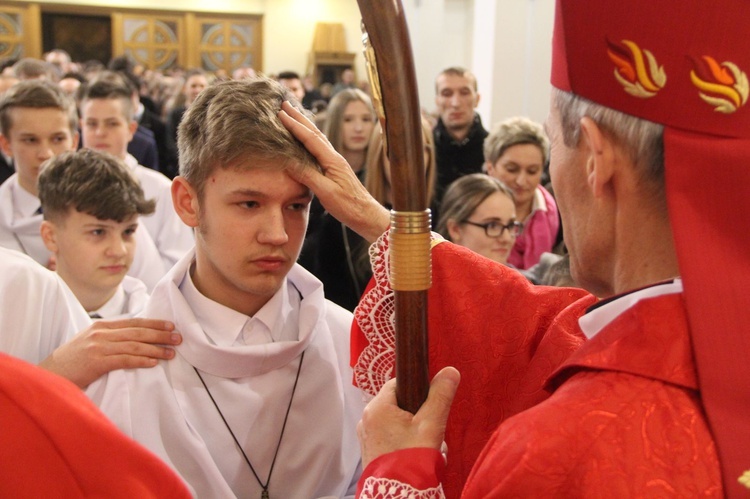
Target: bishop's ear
185, 201
600, 159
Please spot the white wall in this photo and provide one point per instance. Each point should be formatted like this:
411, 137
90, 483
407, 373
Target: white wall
506, 43
440, 31
289, 28
520, 65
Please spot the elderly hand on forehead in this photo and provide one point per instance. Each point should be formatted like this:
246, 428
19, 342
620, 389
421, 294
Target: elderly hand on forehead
337, 187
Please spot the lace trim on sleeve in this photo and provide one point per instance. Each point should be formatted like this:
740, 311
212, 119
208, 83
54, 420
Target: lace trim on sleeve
375, 316
383, 488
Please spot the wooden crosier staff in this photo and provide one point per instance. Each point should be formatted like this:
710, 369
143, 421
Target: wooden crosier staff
391, 70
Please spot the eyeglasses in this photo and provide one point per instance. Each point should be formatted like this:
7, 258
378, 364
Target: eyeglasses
496, 229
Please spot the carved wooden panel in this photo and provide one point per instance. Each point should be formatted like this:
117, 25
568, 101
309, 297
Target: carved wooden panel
152, 40
155, 39
11, 32
20, 31
228, 43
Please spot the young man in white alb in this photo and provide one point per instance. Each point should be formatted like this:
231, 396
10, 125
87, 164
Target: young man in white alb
259, 400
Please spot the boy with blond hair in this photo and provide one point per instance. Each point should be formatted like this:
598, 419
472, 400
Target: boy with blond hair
91, 205
262, 376
107, 125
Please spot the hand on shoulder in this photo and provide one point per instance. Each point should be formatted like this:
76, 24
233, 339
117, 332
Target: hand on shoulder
109, 345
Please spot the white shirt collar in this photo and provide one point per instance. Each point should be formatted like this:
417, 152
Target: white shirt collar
9, 160
25, 204
539, 203
114, 307
597, 319
131, 162
226, 327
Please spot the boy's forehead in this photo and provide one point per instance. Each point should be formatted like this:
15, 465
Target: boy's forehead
27, 120
252, 162
113, 104
84, 218
248, 171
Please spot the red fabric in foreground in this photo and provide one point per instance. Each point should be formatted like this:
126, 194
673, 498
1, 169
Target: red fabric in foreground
626, 421
711, 223
56, 443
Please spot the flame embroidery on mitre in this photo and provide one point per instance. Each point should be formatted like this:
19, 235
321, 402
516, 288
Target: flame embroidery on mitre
637, 69
724, 85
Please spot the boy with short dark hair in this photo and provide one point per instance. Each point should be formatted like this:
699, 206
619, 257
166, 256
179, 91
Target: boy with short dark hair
91, 205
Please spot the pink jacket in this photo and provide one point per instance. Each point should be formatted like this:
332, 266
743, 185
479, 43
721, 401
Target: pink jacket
539, 232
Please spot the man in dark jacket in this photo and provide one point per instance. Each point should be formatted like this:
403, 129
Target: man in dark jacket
459, 133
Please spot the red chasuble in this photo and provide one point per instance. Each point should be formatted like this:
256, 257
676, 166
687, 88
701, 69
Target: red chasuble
56, 443
486, 320
625, 420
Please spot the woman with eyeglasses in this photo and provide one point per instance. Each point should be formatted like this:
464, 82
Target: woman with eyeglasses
515, 152
478, 211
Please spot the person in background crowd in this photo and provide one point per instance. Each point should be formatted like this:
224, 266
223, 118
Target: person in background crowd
244, 72
61, 59
515, 153
478, 212
312, 94
6, 161
196, 81
291, 80
459, 133
107, 124
378, 173
333, 253
350, 118
70, 83
149, 121
33, 69
346, 81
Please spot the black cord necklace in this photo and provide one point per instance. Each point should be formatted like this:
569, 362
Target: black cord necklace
264, 486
